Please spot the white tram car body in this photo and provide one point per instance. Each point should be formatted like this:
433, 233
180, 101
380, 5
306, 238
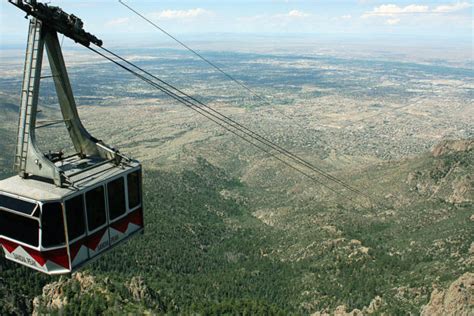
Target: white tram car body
58, 229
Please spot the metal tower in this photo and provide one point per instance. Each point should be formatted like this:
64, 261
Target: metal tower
45, 23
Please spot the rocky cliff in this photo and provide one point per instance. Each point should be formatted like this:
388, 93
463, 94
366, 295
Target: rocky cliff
457, 299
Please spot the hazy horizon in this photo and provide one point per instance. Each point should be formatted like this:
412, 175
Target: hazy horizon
433, 24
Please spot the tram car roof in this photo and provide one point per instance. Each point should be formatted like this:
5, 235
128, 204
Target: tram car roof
76, 170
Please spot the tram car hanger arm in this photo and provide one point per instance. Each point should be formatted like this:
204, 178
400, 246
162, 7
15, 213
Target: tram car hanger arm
58, 20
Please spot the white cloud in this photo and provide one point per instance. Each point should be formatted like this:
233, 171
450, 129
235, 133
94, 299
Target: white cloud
180, 14
297, 14
116, 22
452, 7
391, 10
346, 17
392, 21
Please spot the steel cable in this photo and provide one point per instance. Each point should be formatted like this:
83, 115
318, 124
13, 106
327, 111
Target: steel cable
249, 132
221, 120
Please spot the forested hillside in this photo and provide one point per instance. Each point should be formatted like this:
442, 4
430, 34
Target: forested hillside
206, 249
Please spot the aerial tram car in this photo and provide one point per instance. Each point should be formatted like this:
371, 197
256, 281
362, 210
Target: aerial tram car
60, 212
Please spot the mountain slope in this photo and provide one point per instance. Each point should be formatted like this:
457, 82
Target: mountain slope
209, 244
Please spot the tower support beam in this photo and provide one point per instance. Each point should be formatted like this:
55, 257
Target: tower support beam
29, 160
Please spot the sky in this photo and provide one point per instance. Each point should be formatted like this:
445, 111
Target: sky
108, 19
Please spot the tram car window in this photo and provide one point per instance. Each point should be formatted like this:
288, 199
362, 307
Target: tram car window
20, 228
133, 185
95, 205
17, 205
75, 217
52, 225
116, 198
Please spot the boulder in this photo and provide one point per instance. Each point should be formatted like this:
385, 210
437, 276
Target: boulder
458, 299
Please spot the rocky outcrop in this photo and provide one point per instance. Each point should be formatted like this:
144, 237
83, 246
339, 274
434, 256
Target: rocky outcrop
462, 190
97, 295
140, 292
448, 175
450, 146
458, 299
374, 307
54, 296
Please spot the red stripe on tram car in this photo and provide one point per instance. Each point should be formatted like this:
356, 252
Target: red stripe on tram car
8, 245
137, 217
58, 256
94, 239
121, 225
38, 256
75, 247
